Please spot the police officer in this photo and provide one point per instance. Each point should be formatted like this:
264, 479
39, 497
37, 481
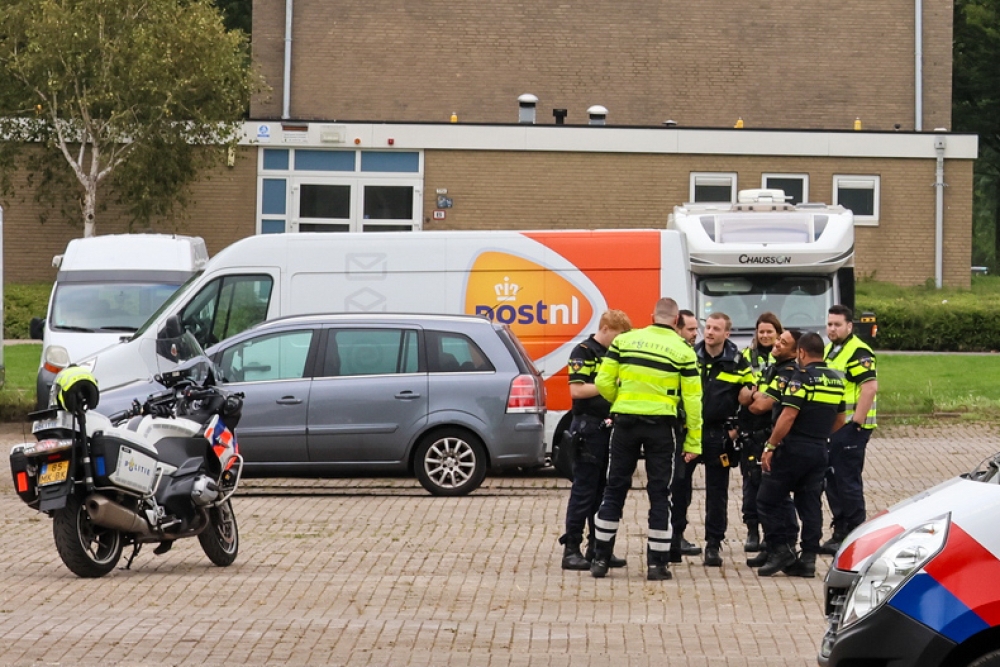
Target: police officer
755, 428
680, 486
724, 372
764, 401
591, 437
645, 375
844, 487
794, 461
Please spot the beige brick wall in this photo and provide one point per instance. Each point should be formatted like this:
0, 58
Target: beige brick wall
223, 209
806, 64
508, 190
512, 190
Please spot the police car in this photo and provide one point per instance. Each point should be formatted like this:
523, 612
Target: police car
919, 584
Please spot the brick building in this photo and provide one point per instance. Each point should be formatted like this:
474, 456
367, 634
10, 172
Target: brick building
358, 135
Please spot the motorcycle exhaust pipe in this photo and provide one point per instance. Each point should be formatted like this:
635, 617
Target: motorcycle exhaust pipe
109, 514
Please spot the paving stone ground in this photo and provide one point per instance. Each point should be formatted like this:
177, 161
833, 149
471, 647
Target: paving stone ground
377, 572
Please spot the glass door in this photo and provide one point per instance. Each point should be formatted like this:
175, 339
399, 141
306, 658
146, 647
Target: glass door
393, 206
323, 205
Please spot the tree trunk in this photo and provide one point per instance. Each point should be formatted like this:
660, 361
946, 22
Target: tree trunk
89, 204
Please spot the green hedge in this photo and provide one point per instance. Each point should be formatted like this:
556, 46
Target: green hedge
927, 319
21, 303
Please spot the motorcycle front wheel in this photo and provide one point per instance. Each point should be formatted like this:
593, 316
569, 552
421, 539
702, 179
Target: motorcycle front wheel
88, 550
221, 539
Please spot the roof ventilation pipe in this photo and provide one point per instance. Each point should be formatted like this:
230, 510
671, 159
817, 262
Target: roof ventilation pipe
598, 115
526, 108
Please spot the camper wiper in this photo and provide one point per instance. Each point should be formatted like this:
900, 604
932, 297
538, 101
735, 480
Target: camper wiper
67, 327
117, 328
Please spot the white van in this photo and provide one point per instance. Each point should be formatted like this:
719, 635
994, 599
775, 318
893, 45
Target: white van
549, 286
107, 287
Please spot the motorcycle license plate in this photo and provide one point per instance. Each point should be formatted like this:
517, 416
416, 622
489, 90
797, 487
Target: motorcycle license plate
53, 473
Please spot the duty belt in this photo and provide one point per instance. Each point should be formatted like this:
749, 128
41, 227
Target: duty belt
625, 419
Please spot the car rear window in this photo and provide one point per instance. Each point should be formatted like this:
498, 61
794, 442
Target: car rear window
513, 343
449, 352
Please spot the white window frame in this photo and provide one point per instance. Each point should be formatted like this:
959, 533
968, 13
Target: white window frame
356, 179
859, 181
802, 177
719, 176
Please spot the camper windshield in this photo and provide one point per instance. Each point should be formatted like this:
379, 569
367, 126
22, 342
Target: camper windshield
798, 301
106, 306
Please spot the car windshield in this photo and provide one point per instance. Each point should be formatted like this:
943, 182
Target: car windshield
798, 301
178, 293
106, 306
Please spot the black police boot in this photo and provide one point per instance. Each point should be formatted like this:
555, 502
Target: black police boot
602, 559
804, 566
712, 557
613, 562
779, 557
760, 559
657, 568
689, 549
752, 545
832, 545
572, 558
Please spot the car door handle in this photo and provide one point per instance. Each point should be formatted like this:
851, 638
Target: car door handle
407, 395
288, 400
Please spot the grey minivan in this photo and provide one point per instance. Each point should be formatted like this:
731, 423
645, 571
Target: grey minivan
444, 397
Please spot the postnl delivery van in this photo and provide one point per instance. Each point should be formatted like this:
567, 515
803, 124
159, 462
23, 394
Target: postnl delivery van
108, 286
550, 287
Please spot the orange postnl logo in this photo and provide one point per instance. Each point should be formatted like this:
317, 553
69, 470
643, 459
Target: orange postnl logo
526, 295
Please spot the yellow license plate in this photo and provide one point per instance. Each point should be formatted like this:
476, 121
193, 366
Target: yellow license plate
52, 473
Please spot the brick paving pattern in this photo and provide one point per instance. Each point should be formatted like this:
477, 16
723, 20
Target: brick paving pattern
377, 572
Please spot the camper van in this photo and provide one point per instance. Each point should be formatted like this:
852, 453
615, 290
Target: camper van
107, 287
762, 254
550, 287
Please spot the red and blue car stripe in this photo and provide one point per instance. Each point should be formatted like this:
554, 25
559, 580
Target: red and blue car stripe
958, 593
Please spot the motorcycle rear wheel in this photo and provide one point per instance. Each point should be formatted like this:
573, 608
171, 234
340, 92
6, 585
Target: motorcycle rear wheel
88, 550
221, 539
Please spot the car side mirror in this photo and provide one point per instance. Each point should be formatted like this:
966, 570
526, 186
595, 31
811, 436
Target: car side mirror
36, 328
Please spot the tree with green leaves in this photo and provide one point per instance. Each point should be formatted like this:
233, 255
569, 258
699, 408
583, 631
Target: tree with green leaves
140, 94
976, 108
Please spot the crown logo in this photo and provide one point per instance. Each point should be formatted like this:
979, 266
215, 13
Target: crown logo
506, 291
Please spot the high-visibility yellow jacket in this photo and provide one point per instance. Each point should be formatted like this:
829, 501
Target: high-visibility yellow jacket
856, 361
649, 372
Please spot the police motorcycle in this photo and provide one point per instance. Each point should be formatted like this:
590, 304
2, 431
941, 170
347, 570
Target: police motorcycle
161, 470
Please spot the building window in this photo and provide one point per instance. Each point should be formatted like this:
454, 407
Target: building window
275, 159
860, 194
713, 187
315, 160
795, 186
322, 190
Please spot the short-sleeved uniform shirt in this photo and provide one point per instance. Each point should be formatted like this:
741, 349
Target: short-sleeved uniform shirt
774, 381
817, 392
584, 362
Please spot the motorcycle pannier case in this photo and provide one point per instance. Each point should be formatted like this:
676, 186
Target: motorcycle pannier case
24, 479
122, 463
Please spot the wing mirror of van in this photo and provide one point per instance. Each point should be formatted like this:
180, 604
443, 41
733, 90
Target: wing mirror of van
36, 328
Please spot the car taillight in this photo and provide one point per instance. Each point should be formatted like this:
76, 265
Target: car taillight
526, 395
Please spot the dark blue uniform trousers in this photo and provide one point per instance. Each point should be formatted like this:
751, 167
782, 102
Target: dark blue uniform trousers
654, 436
589, 473
844, 489
796, 468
